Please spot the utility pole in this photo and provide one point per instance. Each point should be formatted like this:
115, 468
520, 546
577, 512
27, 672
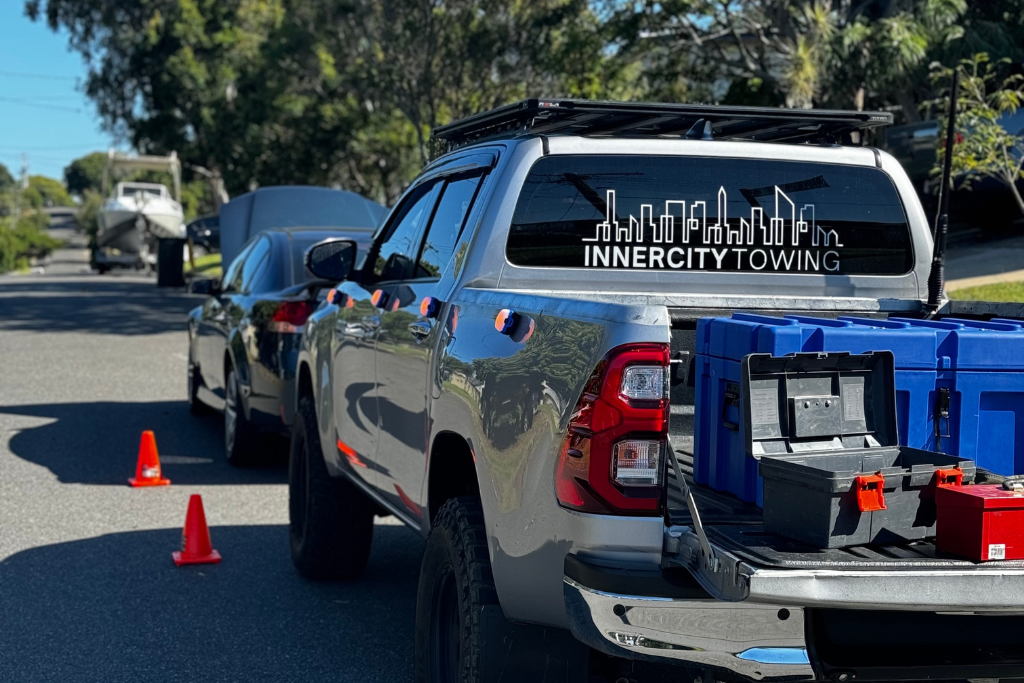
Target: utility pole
21, 187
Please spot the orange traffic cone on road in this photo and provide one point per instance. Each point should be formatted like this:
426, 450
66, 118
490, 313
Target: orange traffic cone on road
147, 470
195, 537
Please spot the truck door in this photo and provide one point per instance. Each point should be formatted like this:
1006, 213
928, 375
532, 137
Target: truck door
404, 346
357, 325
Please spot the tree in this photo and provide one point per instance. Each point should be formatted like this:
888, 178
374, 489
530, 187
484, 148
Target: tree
6, 179
43, 191
86, 173
319, 91
835, 53
985, 148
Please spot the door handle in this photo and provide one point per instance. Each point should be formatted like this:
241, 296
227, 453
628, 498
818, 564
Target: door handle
419, 330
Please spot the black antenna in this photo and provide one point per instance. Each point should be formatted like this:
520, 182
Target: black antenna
937, 276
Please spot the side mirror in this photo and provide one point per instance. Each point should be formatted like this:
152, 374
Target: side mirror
205, 285
331, 260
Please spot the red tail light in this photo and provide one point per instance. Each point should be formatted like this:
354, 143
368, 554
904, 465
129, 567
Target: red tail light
612, 459
290, 316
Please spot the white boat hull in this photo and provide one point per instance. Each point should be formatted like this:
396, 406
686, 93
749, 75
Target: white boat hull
133, 227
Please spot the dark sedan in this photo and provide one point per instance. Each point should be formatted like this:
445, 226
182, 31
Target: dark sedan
244, 340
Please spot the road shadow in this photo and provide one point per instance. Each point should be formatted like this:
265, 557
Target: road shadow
983, 258
115, 608
98, 443
92, 304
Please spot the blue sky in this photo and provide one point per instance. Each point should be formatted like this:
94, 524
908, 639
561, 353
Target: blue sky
51, 121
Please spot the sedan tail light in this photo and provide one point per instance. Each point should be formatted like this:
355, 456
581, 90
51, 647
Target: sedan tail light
612, 458
290, 316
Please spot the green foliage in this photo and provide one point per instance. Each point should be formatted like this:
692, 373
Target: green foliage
88, 211
86, 173
321, 92
984, 148
263, 92
6, 179
43, 191
802, 52
27, 240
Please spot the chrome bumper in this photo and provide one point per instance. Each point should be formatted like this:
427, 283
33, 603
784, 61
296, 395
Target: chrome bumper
976, 588
753, 640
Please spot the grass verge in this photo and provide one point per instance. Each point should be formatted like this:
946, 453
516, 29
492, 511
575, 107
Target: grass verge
1002, 291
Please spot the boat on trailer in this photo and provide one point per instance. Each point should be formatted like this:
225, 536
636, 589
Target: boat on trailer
137, 215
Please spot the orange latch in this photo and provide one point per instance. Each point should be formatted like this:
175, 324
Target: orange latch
870, 492
951, 477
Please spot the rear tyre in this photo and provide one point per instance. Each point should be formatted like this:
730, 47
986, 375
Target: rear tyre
195, 405
240, 445
455, 586
330, 521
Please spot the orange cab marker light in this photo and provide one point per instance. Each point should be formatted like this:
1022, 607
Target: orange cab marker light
394, 305
522, 335
350, 302
377, 298
350, 454
505, 321
332, 296
429, 307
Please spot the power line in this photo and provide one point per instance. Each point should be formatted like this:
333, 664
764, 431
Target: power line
41, 77
51, 148
29, 103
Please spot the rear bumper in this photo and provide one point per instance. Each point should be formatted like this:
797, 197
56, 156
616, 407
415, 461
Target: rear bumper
749, 641
665, 620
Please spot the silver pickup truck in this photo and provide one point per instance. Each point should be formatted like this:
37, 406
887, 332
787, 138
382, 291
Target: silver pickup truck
506, 371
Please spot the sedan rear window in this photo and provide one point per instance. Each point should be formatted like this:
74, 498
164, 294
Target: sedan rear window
709, 214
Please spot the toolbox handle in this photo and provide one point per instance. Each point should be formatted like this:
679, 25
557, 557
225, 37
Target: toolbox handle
870, 492
953, 476
731, 398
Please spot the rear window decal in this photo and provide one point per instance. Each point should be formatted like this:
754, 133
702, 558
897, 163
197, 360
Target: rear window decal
709, 214
622, 244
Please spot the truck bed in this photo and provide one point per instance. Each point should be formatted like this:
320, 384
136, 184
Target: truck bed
737, 527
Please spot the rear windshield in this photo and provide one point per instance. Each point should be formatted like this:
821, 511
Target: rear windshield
709, 214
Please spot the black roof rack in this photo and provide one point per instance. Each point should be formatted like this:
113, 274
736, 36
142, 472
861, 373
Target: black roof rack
632, 119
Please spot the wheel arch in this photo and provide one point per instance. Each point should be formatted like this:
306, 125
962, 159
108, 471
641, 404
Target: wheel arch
451, 472
303, 384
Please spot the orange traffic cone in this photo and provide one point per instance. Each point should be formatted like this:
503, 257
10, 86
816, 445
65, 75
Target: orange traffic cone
147, 471
195, 538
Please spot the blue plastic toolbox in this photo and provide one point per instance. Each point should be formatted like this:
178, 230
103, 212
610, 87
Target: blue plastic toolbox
959, 386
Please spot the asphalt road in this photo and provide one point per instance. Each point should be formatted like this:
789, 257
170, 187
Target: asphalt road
88, 591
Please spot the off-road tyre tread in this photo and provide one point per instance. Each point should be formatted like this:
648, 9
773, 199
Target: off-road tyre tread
460, 529
338, 534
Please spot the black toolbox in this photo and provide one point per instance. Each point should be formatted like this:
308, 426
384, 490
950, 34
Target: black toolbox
824, 429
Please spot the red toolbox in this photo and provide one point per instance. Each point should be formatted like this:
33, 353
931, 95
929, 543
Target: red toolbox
982, 522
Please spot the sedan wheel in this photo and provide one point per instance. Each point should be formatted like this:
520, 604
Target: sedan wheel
195, 405
239, 433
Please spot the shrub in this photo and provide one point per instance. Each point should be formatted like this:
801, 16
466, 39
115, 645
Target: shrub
28, 240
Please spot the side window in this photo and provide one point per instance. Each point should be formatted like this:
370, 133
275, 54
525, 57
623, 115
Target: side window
232, 279
254, 263
445, 228
395, 259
